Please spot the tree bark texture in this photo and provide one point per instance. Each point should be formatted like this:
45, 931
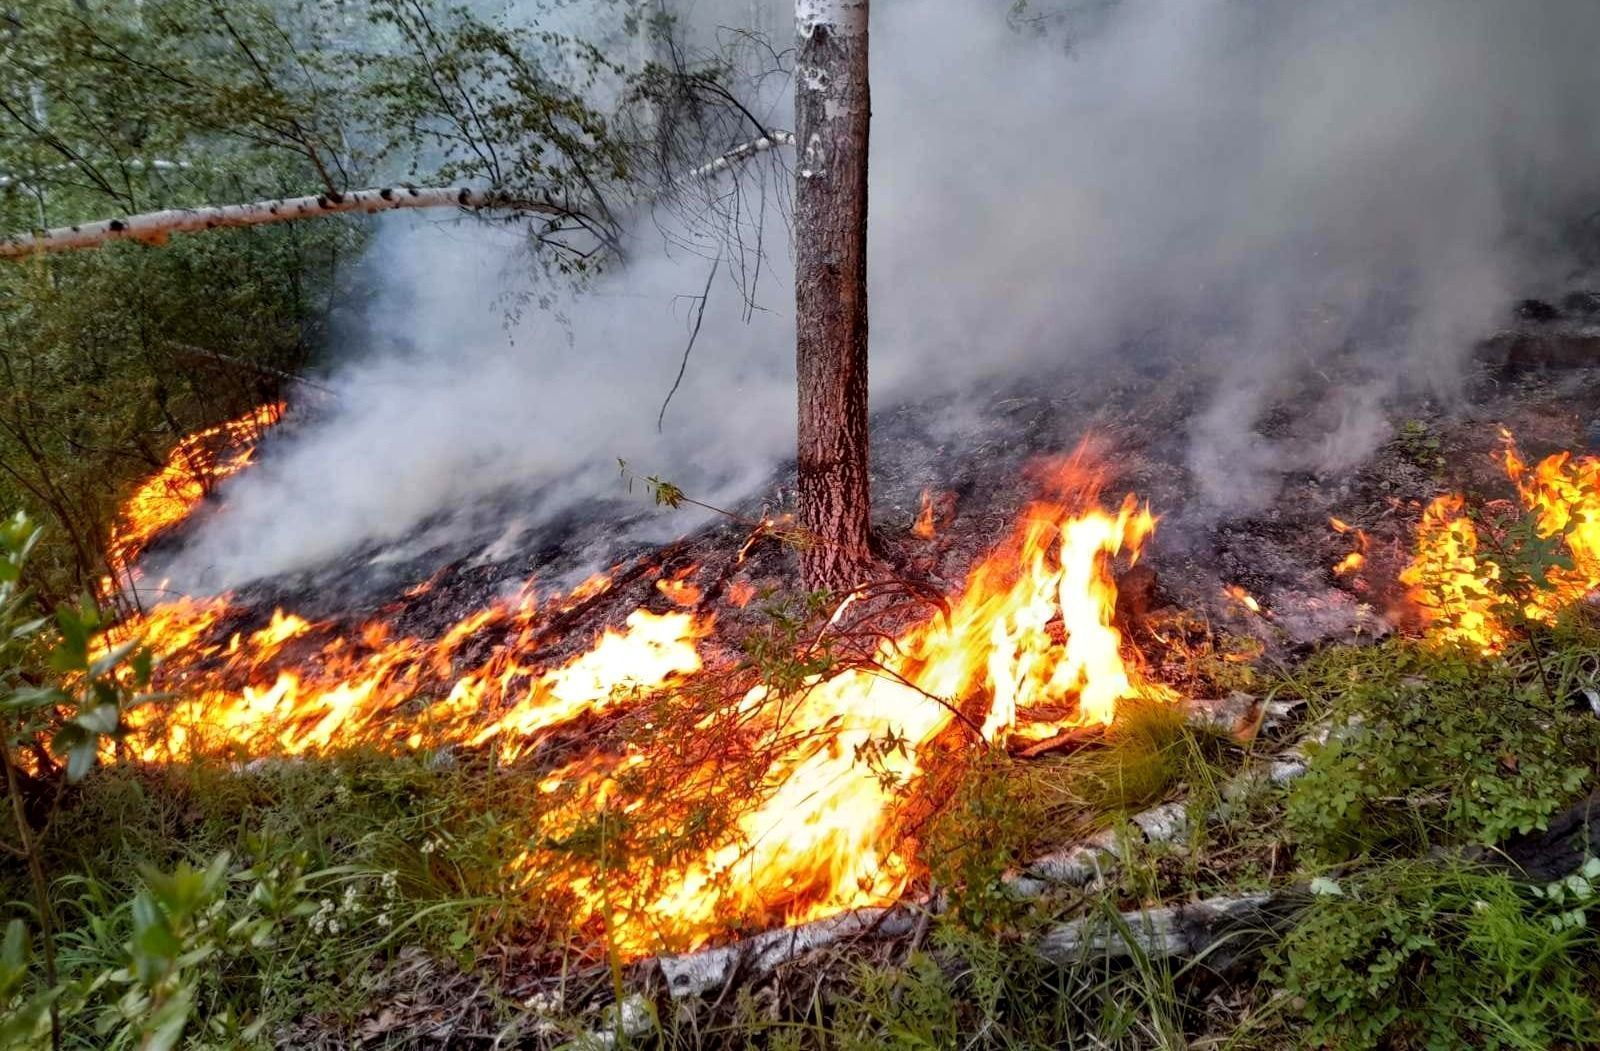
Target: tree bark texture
832, 113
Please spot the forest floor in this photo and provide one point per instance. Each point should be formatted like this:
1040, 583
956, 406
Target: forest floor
1346, 835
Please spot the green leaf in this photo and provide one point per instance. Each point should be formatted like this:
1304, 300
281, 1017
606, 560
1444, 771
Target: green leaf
32, 698
165, 1028
154, 944
28, 627
141, 666
111, 658
72, 653
13, 958
101, 719
80, 761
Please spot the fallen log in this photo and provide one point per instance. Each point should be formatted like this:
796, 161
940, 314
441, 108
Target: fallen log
697, 973
1224, 930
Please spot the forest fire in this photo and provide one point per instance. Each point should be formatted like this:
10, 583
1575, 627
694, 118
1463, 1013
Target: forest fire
823, 832
1468, 577
1028, 648
237, 700
200, 461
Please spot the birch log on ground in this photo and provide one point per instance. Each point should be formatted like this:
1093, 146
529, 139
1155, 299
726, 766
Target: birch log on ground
832, 114
1225, 930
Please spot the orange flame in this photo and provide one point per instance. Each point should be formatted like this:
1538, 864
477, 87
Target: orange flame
1355, 559
923, 526
1028, 648
1241, 596
200, 461
822, 835
680, 589
342, 692
1459, 589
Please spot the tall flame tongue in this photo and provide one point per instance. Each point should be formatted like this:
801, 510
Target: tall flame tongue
1455, 583
822, 835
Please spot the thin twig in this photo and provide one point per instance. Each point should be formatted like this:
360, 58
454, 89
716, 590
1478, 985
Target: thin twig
700, 316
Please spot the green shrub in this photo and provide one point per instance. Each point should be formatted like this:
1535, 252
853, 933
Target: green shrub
1424, 745
1413, 955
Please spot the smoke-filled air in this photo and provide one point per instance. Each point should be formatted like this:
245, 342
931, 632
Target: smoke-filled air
822, 525
1250, 184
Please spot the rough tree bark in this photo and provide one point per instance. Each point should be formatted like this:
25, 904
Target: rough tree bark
832, 114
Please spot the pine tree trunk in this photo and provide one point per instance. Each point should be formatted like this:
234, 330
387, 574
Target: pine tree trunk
832, 112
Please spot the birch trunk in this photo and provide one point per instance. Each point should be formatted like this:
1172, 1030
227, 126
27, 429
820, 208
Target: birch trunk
832, 112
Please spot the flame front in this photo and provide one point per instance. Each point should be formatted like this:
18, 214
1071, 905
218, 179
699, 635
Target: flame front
240, 699
1457, 579
1031, 631
198, 462
824, 772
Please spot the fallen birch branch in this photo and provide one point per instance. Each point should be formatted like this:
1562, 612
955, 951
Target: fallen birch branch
1201, 928
156, 227
698, 973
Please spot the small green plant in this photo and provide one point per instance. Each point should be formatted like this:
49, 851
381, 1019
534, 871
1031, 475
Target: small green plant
1412, 955
1419, 445
1421, 744
60, 713
990, 819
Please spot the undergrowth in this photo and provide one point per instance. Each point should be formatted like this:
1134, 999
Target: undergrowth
1416, 954
1423, 747
250, 899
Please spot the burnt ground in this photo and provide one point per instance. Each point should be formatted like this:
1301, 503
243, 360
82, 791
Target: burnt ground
1533, 379
1540, 377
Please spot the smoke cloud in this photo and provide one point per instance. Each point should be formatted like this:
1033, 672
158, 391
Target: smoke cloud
1249, 185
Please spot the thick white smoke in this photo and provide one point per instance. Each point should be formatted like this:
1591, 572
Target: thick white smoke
1247, 183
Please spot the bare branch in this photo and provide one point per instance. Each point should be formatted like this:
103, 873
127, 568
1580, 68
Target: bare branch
700, 316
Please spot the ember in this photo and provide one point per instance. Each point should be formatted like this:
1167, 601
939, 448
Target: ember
1241, 596
1357, 558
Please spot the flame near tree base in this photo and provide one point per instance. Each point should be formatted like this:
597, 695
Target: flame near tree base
729, 798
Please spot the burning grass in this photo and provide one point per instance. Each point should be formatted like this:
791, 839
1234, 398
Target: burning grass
1480, 578
169, 496
475, 798
796, 773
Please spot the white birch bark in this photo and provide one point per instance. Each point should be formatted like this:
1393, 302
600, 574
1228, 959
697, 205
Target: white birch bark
156, 227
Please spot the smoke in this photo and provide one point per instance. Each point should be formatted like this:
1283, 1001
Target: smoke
1245, 186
